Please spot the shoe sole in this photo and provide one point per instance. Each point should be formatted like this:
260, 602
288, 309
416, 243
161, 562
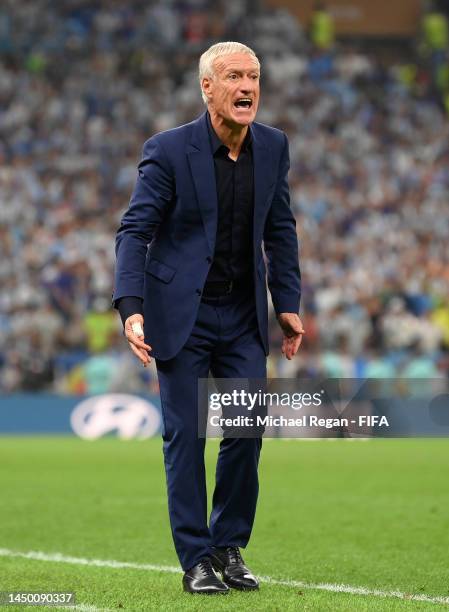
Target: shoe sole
242, 588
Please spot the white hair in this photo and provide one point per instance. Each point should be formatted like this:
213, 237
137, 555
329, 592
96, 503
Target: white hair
206, 64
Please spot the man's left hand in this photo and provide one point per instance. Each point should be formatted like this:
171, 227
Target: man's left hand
293, 331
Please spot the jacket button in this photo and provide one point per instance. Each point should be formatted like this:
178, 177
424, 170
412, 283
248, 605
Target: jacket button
198, 291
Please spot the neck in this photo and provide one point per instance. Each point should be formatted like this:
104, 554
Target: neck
231, 135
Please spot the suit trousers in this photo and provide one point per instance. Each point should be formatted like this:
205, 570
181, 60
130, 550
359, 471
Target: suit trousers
225, 341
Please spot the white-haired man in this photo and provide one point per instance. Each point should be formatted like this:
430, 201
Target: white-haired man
190, 270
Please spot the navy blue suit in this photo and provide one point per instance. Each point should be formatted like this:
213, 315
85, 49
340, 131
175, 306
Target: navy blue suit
165, 247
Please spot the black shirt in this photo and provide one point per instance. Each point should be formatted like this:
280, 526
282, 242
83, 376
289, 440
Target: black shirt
235, 195
233, 255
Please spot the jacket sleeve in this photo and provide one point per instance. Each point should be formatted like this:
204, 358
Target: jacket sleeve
127, 306
281, 244
152, 194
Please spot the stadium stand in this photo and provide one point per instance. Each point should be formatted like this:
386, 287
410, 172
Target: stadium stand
84, 83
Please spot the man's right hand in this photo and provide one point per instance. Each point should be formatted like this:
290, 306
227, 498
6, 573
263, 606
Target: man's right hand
136, 341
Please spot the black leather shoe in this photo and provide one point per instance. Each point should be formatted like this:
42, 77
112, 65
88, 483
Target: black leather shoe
235, 574
201, 578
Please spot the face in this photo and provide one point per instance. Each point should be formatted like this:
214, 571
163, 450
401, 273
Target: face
233, 91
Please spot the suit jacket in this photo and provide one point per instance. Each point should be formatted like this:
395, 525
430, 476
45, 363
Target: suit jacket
166, 240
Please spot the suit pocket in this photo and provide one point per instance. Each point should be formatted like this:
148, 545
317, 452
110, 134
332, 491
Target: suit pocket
160, 270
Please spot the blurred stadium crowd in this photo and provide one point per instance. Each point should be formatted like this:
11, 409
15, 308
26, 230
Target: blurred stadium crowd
84, 83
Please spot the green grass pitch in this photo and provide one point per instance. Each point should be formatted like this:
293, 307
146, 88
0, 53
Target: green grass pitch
371, 514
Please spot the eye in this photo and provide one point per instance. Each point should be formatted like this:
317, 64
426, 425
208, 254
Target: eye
232, 76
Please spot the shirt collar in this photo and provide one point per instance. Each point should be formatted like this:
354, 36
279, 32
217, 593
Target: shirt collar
216, 143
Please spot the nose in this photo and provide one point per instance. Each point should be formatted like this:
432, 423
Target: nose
247, 85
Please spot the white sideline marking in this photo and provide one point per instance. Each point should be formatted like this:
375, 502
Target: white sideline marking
334, 588
344, 588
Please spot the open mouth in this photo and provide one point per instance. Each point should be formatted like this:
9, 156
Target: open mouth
243, 103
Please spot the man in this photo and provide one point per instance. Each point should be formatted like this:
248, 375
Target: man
190, 269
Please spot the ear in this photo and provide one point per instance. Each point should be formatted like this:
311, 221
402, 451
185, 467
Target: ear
206, 83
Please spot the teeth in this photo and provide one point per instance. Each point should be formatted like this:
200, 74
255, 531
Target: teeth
244, 100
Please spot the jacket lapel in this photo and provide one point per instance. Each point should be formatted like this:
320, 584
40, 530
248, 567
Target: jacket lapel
263, 180
203, 173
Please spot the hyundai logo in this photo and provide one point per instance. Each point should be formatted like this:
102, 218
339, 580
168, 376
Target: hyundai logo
128, 415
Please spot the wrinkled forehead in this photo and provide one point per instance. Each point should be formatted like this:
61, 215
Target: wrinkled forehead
243, 62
